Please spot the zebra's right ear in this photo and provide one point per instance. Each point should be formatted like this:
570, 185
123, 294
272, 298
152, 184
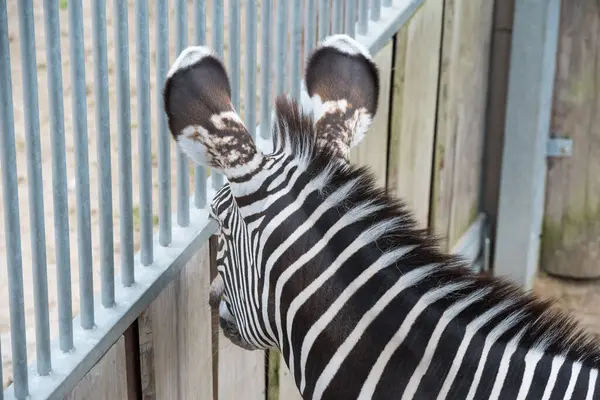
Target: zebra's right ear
197, 100
343, 83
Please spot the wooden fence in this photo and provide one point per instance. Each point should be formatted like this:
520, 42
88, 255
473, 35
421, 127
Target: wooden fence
425, 146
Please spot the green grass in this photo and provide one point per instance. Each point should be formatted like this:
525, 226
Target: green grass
63, 4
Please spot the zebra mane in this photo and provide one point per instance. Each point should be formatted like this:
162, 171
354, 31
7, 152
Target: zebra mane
542, 324
293, 129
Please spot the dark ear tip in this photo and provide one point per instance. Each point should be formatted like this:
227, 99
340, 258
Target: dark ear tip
336, 52
196, 87
342, 68
190, 57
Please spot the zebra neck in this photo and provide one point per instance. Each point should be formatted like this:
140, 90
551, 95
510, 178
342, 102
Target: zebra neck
404, 335
363, 304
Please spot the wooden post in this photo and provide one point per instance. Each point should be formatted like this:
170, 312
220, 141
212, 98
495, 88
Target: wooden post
571, 226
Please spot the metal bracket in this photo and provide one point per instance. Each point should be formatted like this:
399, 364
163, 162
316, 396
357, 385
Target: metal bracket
559, 147
483, 262
487, 245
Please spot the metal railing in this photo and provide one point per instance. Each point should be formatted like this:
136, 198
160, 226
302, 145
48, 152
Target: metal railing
82, 340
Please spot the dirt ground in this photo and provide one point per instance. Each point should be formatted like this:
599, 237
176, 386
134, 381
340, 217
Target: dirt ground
580, 298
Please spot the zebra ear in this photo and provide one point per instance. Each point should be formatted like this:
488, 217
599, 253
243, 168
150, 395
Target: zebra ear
201, 117
343, 83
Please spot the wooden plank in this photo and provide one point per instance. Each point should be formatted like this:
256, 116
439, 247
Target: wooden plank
372, 151
148, 381
107, 380
396, 109
414, 108
181, 343
287, 385
571, 228
466, 39
274, 358
241, 372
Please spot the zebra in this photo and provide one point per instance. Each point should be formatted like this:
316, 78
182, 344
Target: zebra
317, 261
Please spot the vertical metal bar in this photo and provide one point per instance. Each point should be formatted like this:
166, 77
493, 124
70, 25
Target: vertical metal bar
296, 49
183, 210
375, 10
59, 175
324, 8
107, 264
281, 47
124, 130
310, 31
34, 178
251, 37
265, 67
12, 225
234, 48
363, 16
82, 177
200, 37
164, 139
218, 21
200, 22
528, 118
144, 130
338, 16
199, 171
350, 19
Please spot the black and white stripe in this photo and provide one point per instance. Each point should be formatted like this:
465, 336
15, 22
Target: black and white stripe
315, 260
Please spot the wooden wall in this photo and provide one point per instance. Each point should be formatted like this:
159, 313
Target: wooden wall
107, 380
439, 113
176, 337
415, 90
461, 113
571, 228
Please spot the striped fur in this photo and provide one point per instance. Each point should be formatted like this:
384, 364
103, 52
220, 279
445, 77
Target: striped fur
316, 260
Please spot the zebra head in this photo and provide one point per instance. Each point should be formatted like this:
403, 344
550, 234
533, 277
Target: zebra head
343, 85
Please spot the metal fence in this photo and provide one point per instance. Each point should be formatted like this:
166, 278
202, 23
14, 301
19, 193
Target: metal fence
288, 32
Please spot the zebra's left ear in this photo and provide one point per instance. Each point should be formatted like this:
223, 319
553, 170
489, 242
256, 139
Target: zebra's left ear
343, 83
201, 116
